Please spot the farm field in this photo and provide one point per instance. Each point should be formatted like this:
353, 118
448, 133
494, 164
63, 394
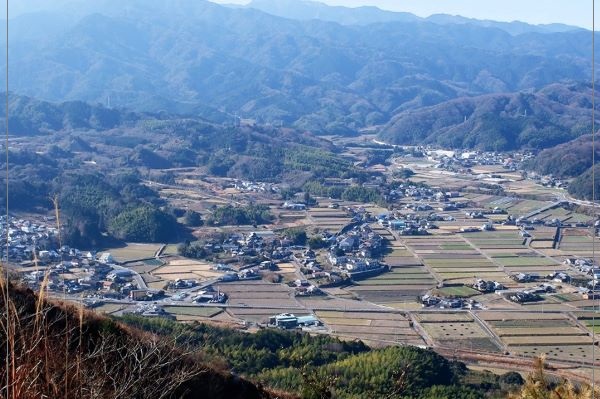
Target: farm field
399, 284
375, 327
554, 334
200, 311
453, 259
258, 294
457, 330
185, 269
133, 251
577, 242
457, 291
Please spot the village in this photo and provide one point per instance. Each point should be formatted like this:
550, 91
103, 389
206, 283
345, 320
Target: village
451, 248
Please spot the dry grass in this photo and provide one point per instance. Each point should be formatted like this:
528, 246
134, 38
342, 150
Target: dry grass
61, 351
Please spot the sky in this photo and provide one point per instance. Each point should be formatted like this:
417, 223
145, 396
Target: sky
571, 12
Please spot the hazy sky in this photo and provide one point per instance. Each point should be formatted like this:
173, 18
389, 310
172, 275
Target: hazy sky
572, 12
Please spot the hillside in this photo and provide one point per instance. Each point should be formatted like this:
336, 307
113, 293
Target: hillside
202, 59
566, 160
62, 351
542, 119
96, 159
573, 159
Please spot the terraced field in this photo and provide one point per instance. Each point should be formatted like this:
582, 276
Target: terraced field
456, 330
533, 334
454, 260
406, 279
185, 269
378, 329
329, 219
258, 294
577, 242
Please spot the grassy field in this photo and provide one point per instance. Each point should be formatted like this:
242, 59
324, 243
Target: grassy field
459, 291
133, 252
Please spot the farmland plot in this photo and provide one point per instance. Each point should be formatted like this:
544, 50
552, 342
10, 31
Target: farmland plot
457, 330
533, 334
380, 329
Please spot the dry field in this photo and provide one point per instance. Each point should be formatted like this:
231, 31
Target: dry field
373, 327
452, 258
398, 285
134, 252
258, 294
528, 334
457, 331
186, 269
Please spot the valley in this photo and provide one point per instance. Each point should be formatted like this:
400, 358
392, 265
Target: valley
459, 254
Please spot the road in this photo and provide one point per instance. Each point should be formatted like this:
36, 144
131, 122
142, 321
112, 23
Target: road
566, 197
136, 277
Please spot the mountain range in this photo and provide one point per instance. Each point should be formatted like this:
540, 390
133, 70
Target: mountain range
304, 10
206, 60
532, 120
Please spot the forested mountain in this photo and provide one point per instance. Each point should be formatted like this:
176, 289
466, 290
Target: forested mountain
567, 160
533, 120
203, 59
306, 10
96, 159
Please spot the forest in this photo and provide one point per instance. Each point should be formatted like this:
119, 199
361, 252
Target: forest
318, 366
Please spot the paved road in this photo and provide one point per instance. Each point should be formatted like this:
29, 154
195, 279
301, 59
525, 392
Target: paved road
136, 276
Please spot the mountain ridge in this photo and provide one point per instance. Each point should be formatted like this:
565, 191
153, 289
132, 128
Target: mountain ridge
533, 120
365, 15
203, 59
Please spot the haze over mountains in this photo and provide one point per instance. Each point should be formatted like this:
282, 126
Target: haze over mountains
303, 10
208, 60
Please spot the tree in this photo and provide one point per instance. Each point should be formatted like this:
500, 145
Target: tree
192, 219
316, 242
143, 224
296, 235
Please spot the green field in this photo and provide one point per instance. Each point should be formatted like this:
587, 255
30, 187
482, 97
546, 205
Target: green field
525, 261
133, 251
462, 291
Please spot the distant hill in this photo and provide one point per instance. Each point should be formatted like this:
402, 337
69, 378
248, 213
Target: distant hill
573, 159
306, 10
532, 120
205, 60
566, 160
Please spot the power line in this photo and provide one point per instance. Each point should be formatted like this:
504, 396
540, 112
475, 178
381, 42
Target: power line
593, 188
8, 360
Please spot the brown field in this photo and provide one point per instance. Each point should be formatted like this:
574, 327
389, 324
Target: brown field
443, 317
532, 331
380, 328
134, 251
568, 352
488, 316
547, 340
186, 269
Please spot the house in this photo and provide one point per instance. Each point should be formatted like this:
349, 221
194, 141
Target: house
428, 300
138, 295
487, 286
106, 258
294, 206
522, 297
524, 277
347, 243
120, 274
284, 320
